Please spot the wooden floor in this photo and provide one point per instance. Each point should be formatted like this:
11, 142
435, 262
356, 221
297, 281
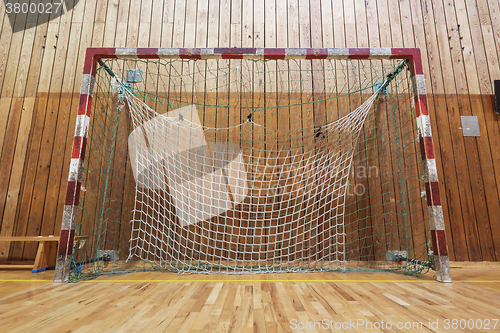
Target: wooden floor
167, 302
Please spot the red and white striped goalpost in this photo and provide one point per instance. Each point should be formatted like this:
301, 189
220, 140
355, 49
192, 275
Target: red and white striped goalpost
436, 219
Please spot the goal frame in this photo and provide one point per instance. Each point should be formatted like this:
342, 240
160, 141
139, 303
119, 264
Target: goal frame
412, 55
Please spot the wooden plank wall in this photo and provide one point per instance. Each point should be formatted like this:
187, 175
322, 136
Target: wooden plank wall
41, 68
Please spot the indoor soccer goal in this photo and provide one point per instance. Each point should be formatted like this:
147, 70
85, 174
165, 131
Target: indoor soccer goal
238, 161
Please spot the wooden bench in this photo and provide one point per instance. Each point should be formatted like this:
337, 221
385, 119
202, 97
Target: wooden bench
46, 254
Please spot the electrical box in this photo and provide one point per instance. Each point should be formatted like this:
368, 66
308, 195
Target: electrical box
470, 126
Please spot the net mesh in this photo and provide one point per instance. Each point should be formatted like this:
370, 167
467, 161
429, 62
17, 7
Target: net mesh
251, 166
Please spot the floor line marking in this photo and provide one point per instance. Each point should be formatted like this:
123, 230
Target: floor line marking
248, 281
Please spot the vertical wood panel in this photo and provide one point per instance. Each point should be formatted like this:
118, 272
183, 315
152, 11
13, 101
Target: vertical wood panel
7, 165
24, 57
464, 67
33, 152
5, 107
18, 165
6, 40
463, 192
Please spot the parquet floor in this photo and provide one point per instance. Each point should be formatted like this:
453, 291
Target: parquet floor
315, 302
